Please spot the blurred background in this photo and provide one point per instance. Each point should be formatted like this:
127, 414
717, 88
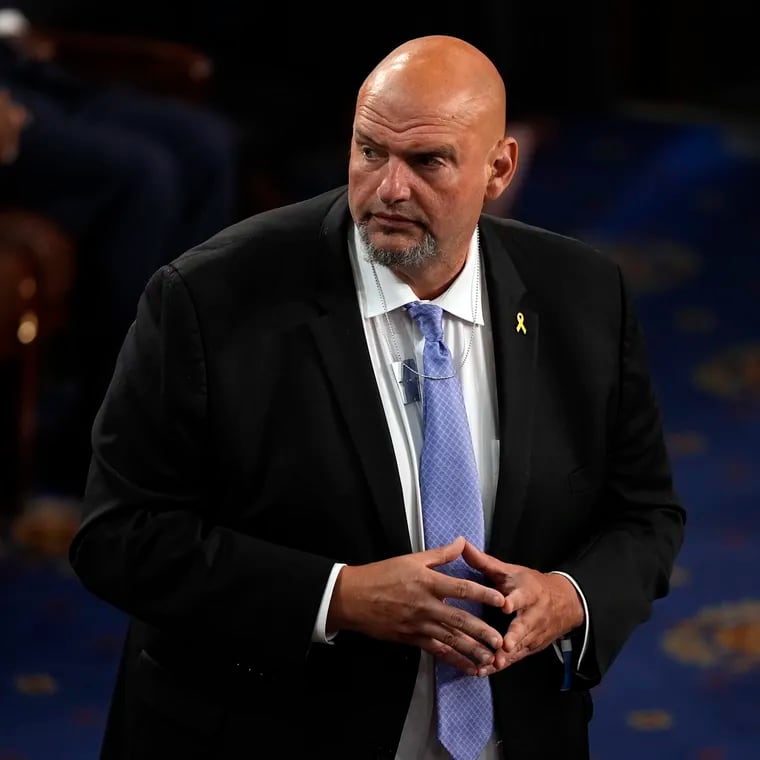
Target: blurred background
131, 131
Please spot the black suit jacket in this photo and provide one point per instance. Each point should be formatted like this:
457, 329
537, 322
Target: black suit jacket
242, 449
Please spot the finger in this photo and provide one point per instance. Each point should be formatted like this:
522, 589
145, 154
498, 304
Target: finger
499, 572
457, 619
519, 655
518, 598
442, 555
500, 661
526, 633
456, 660
515, 637
477, 559
475, 651
503, 661
446, 587
446, 654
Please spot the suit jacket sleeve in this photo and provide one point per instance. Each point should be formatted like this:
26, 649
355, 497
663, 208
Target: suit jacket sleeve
627, 563
151, 542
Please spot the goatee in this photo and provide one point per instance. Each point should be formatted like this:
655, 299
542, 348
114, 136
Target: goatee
413, 257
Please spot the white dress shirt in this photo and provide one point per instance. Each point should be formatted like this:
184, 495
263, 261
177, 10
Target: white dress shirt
393, 337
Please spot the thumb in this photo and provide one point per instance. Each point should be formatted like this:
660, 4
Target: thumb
440, 555
474, 557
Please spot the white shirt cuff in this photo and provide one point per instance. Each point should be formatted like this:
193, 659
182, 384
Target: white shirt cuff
587, 622
320, 634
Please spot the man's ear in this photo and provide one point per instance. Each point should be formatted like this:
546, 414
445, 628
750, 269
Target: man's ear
503, 167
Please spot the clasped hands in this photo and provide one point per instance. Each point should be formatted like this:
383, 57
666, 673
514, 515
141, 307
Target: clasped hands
404, 599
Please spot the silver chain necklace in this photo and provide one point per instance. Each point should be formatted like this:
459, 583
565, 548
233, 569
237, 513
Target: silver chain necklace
391, 333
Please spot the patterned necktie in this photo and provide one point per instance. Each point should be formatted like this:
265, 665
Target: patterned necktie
451, 507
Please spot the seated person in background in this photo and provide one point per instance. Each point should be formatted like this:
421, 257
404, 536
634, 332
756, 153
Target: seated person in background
133, 178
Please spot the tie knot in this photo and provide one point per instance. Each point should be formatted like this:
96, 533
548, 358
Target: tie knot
429, 318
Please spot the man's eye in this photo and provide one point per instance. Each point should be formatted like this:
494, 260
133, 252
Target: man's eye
368, 152
429, 161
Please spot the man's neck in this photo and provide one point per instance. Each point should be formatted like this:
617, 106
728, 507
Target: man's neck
434, 278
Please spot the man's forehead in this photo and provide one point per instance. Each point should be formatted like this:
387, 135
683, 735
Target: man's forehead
403, 111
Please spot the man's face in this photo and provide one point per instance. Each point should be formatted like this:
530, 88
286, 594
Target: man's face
415, 173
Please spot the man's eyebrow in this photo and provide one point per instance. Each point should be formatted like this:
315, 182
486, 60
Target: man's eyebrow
444, 149
361, 137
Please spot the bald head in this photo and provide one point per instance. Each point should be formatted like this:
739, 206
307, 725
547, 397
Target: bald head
441, 75
429, 149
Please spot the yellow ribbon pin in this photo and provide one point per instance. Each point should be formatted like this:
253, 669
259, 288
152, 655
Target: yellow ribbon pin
521, 323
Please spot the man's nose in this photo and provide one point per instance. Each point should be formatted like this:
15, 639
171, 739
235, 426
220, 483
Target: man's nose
396, 184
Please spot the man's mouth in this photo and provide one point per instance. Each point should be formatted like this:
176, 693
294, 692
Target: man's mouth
394, 219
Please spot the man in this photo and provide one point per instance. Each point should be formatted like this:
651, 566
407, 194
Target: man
258, 491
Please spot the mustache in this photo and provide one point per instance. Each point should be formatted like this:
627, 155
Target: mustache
408, 215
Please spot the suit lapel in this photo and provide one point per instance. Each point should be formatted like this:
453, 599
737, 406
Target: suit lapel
339, 335
515, 348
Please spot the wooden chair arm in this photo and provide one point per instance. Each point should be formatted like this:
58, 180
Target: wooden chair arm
54, 258
18, 300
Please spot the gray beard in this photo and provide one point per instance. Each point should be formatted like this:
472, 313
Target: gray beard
411, 258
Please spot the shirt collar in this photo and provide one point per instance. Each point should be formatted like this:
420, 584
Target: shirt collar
456, 299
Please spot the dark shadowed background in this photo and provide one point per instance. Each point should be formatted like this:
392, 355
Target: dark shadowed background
639, 124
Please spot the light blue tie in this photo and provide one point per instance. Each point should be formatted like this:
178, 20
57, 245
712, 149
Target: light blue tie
451, 507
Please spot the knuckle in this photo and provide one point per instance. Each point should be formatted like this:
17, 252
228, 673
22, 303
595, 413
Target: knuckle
450, 639
405, 628
457, 619
461, 589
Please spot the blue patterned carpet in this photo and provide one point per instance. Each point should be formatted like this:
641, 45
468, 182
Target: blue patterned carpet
675, 202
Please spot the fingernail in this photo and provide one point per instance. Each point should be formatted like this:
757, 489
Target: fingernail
495, 642
482, 672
